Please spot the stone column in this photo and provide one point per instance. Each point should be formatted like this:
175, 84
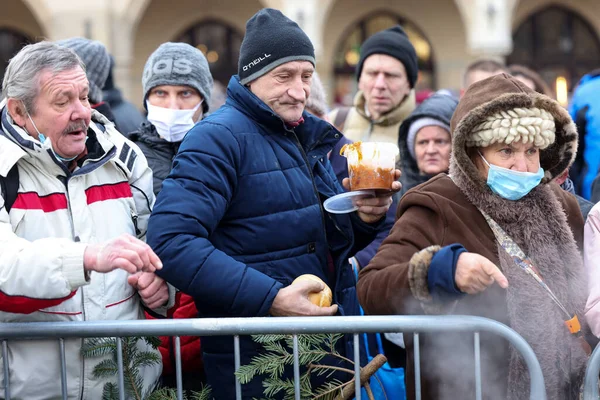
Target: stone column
488, 26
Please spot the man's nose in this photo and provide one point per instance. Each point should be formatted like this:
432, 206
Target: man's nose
380, 80
82, 111
296, 90
173, 103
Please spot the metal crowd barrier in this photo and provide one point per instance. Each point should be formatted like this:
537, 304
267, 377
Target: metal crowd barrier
289, 325
590, 388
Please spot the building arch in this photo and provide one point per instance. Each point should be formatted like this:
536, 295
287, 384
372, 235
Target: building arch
558, 42
161, 22
220, 42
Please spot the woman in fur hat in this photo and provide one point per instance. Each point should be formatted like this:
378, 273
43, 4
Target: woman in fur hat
443, 257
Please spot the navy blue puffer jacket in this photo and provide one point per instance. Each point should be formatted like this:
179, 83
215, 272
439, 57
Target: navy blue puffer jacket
240, 217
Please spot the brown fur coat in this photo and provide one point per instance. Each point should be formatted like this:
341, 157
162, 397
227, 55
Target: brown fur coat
547, 225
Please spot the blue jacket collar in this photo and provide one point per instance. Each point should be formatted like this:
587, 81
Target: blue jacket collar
316, 136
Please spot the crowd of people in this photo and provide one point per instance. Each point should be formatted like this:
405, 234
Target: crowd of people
195, 209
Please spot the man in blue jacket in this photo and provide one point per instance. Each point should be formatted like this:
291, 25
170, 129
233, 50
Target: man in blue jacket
241, 214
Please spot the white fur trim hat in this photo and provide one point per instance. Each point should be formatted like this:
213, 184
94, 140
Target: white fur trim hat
527, 125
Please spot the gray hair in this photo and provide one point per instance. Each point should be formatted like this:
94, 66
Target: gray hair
316, 102
21, 80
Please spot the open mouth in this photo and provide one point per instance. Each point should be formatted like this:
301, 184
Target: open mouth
76, 133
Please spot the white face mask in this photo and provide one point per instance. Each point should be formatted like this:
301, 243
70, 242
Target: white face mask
171, 125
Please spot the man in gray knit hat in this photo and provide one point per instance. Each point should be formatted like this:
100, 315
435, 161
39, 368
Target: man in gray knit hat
177, 85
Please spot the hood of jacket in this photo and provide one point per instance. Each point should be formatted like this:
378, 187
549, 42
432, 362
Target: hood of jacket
500, 93
393, 116
440, 107
112, 96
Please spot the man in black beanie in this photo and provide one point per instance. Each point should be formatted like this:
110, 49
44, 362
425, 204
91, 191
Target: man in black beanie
387, 72
241, 215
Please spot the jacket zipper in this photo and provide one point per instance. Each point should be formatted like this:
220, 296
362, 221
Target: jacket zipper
312, 178
76, 239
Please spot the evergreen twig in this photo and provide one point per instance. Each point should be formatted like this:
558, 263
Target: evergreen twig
312, 349
133, 360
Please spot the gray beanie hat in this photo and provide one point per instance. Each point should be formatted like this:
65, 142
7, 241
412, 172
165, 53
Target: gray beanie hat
97, 63
178, 64
416, 126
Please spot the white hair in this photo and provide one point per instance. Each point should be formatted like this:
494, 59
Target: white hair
21, 80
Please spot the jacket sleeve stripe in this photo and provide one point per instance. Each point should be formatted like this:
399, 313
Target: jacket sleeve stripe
108, 192
48, 203
27, 305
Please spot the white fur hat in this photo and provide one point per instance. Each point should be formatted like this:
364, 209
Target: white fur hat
527, 125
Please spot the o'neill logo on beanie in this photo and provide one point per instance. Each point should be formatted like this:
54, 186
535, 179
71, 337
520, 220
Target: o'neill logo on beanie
256, 62
271, 39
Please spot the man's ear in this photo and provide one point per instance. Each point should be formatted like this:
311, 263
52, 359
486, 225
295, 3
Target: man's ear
17, 111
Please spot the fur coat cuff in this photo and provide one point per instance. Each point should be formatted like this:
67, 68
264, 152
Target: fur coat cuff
418, 268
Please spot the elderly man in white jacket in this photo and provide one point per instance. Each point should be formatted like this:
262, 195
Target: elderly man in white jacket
76, 197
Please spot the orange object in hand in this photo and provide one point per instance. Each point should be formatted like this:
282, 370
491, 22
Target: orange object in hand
322, 298
370, 165
573, 325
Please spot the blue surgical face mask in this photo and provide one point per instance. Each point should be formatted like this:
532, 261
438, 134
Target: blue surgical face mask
509, 184
42, 139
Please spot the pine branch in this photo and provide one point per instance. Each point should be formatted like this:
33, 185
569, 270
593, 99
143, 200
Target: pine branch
105, 369
205, 393
264, 339
133, 382
312, 349
163, 394
323, 368
110, 392
329, 390
146, 359
152, 341
98, 347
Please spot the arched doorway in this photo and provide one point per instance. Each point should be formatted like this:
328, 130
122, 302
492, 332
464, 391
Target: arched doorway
220, 43
347, 54
11, 41
558, 43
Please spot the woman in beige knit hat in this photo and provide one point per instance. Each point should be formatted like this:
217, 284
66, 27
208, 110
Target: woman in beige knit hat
492, 239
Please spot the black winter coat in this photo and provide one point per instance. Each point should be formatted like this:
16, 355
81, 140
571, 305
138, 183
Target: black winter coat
126, 116
158, 152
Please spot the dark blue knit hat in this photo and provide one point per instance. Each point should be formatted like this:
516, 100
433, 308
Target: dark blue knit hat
271, 39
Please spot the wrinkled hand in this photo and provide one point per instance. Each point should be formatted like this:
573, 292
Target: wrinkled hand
475, 273
152, 289
124, 252
293, 301
372, 209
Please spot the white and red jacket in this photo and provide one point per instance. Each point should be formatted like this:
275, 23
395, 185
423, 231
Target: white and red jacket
42, 241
